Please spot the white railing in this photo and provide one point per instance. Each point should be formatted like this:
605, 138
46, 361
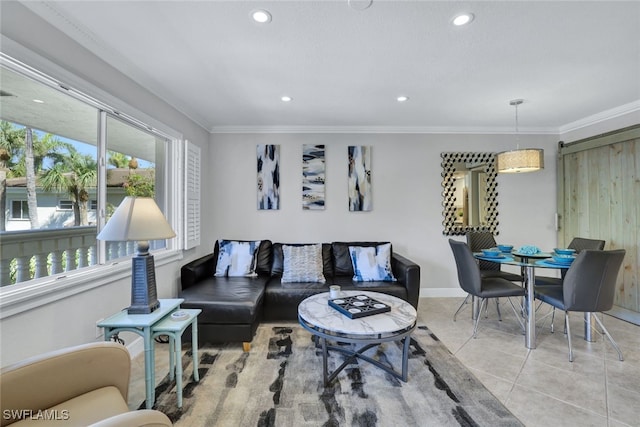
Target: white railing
32, 254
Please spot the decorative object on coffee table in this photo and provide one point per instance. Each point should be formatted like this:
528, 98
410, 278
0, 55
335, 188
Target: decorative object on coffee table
357, 306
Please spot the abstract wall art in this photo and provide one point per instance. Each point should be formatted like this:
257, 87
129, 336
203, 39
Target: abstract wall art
360, 178
268, 176
313, 162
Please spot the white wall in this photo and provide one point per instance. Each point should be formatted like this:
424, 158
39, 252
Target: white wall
407, 200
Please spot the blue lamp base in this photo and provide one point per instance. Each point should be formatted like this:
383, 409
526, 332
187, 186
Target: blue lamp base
144, 298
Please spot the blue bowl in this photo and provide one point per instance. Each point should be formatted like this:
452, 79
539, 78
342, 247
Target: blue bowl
505, 248
491, 253
563, 259
561, 251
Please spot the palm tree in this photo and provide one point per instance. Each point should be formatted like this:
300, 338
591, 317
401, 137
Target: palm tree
32, 198
118, 160
74, 174
24, 154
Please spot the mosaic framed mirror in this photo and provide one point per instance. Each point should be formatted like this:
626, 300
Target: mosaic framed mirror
469, 193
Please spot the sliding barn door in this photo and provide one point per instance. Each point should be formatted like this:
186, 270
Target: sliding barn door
599, 198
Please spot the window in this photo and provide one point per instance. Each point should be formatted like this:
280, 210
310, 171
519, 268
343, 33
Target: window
86, 158
133, 155
65, 205
19, 209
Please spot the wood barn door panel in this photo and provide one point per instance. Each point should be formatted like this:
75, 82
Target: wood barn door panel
600, 199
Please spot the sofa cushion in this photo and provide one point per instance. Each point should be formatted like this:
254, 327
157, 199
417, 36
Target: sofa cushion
342, 265
302, 264
277, 266
226, 300
372, 263
263, 256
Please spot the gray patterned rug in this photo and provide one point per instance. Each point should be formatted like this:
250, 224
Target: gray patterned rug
279, 383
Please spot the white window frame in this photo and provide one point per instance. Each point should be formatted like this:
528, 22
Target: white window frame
28, 295
60, 206
22, 210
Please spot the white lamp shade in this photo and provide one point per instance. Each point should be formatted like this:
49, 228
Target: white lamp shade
519, 161
137, 218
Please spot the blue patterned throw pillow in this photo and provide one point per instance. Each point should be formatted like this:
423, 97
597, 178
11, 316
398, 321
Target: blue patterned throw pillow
237, 259
372, 263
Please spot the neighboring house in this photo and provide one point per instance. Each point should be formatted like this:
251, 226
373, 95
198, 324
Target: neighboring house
55, 209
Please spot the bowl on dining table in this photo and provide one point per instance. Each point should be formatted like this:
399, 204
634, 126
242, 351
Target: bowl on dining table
491, 253
505, 248
563, 258
564, 251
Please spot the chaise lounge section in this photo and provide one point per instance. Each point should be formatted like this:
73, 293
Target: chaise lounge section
233, 307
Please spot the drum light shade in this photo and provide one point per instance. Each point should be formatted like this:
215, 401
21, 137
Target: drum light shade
139, 219
519, 161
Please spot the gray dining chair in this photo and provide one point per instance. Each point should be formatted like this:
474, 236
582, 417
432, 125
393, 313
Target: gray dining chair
485, 288
477, 241
579, 244
588, 287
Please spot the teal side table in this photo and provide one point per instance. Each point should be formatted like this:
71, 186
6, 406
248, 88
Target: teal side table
174, 328
141, 324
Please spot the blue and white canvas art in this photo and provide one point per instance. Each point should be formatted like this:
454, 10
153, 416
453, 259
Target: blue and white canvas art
268, 176
360, 178
313, 165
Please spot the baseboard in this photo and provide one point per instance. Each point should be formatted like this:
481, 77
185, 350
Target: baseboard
625, 314
442, 293
136, 347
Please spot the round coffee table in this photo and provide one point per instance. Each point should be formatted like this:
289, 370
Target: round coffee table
328, 324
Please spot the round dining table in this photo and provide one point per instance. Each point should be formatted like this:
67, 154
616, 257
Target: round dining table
528, 262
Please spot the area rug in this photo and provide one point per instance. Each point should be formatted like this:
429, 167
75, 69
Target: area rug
279, 383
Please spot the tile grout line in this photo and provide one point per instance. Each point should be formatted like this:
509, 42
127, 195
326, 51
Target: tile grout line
515, 380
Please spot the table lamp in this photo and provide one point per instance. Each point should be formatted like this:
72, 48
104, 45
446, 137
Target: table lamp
139, 219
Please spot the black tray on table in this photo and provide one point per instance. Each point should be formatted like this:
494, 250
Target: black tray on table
358, 306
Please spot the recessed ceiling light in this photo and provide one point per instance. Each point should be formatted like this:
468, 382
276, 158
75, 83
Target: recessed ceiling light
463, 19
359, 4
402, 98
38, 101
286, 99
261, 16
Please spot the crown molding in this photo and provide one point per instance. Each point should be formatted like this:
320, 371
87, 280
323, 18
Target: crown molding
622, 110
380, 129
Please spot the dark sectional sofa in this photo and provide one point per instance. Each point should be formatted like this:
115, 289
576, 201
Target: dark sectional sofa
232, 307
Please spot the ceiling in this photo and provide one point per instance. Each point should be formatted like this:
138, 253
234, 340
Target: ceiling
344, 64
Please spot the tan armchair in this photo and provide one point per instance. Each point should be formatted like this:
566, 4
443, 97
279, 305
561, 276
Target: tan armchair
77, 386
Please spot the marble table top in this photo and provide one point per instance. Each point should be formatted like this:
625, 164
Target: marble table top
316, 311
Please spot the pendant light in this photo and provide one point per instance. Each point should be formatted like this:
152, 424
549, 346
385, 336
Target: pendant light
520, 160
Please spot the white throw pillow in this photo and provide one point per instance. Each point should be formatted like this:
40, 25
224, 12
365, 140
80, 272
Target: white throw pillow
371, 263
236, 259
302, 264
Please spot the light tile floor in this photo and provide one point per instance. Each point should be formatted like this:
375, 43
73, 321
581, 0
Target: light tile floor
540, 386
